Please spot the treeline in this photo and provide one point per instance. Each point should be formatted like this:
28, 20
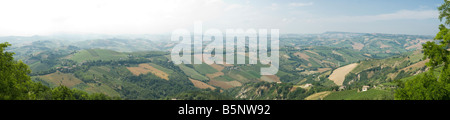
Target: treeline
150, 86
42, 92
116, 62
207, 94
275, 91
86, 65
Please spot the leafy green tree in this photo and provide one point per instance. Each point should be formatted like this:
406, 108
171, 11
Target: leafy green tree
14, 81
428, 86
439, 54
422, 87
62, 93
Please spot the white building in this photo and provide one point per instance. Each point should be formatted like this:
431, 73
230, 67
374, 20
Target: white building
365, 88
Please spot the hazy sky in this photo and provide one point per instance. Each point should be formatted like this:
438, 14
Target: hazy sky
44, 17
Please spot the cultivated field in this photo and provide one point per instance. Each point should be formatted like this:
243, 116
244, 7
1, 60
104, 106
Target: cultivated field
312, 52
219, 72
95, 88
214, 75
318, 96
201, 85
337, 53
302, 55
192, 73
319, 70
357, 46
221, 84
412, 67
270, 78
415, 66
96, 54
217, 67
234, 83
338, 75
204, 68
146, 68
59, 78
225, 85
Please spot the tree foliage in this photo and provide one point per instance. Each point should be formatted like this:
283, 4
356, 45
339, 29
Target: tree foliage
423, 87
200, 95
14, 81
428, 86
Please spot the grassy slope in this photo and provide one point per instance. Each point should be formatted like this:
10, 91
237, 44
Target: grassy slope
97, 54
371, 94
99, 73
57, 78
204, 68
168, 71
412, 57
192, 73
38, 66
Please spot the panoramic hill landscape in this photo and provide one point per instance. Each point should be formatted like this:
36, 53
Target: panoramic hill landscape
321, 50
310, 68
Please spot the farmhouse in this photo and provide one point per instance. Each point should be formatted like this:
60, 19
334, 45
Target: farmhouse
364, 88
341, 88
306, 86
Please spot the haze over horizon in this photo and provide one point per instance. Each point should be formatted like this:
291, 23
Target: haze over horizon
116, 17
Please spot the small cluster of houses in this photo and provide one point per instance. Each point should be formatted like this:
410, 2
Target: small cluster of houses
232, 68
363, 89
341, 88
66, 67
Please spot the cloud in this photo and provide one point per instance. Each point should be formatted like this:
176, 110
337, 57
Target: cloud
104, 16
301, 4
233, 6
399, 15
153, 17
406, 14
273, 6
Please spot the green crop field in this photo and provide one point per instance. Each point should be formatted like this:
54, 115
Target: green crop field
38, 66
97, 54
168, 71
204, 68
192, 73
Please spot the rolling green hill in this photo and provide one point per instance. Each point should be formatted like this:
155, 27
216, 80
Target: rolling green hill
371, 94
192, 73
374, 44
304, 60
378, 71
298, 67
96, 54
